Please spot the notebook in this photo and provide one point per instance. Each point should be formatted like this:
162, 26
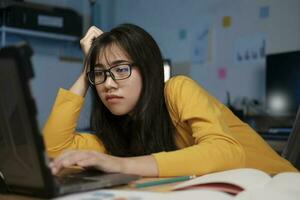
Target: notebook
23, 160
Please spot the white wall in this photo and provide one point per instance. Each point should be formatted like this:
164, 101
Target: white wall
165, 19
50, 75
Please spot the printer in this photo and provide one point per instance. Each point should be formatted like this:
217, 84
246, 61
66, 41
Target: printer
39, 17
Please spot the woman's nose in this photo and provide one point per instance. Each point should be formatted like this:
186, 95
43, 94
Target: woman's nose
110, 82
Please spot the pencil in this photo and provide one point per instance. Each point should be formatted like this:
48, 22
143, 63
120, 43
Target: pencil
163, 181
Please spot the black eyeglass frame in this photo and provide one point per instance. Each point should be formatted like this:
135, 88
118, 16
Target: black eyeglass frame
110, 73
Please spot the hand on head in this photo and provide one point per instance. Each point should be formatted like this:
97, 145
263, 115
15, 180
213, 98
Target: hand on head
92, 33
80, 86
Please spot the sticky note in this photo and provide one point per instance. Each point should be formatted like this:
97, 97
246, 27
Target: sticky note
264, 12
226, 22
222, 73
182, 34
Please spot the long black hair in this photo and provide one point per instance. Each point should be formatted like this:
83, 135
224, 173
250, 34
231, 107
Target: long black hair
149, 128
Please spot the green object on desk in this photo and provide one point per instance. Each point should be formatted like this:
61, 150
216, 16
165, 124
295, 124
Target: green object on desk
164, 181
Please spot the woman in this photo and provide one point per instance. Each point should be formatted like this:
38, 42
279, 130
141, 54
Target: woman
143, 126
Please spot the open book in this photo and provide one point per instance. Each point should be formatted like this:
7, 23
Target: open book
256, 185
245, 179
268, 193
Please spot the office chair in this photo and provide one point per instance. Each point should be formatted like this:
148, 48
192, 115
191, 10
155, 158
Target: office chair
292, 149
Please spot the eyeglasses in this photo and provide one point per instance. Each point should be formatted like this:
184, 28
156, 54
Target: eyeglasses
118, 72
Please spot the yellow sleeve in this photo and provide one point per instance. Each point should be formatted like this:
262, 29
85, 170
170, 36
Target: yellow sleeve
213, 149
59, 131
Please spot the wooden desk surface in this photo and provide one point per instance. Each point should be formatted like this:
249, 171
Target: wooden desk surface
160, 188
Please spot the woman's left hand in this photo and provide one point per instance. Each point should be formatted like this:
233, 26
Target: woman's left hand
85, 158
92, 33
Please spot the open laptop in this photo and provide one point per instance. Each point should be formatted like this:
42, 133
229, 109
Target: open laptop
23, 160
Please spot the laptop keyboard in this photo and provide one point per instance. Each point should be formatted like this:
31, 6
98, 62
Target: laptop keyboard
82, 177
68, 180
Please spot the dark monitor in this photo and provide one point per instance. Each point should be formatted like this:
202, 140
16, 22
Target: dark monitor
283, 83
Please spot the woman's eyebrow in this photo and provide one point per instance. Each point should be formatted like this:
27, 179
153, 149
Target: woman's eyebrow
119, 62
114, 63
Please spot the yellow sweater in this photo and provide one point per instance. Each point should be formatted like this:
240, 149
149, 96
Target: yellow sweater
209, 137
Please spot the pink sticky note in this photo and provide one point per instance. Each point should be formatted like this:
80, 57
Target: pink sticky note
222, 72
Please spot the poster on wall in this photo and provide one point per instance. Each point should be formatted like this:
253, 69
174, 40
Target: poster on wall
201, 45
250, 49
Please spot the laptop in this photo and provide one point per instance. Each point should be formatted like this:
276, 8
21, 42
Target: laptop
23, 160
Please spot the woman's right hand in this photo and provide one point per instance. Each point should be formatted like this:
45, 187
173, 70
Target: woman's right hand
92, 33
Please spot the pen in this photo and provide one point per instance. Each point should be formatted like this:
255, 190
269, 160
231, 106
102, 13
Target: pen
163, 181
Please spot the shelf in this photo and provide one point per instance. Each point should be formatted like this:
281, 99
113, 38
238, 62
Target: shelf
4, 30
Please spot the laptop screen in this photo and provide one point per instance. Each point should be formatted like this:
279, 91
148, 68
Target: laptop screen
18, 130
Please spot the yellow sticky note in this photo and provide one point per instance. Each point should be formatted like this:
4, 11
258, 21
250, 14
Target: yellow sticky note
226, 22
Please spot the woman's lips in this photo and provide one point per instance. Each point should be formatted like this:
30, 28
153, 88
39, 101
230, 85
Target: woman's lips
112, 98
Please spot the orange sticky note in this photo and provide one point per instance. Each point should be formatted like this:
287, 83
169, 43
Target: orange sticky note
226, 22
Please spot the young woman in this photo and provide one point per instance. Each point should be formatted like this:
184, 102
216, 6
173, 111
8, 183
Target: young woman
143, 126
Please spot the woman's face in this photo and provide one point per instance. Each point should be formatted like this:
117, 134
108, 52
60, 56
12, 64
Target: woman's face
119, 96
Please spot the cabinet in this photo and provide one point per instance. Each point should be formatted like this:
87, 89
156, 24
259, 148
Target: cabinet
63, 46
5, 31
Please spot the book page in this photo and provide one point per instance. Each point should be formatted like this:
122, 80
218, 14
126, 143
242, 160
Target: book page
197, 195
107, 194
245, 178
286, 181
111, 194
266, 194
